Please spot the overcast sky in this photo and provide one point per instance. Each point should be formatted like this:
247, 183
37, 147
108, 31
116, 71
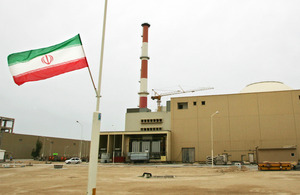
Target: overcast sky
211, 43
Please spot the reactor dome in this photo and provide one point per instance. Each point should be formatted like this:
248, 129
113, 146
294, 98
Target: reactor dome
265, 86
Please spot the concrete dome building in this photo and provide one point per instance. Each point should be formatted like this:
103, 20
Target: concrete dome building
265, 86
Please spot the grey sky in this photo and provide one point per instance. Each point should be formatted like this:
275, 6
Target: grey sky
194, 43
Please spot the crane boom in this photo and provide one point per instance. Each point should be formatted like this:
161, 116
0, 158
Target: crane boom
157, 96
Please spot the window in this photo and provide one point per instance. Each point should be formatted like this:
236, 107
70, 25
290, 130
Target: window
152, 129
182, 105
203, 103
151, 121
292, 154
195, 103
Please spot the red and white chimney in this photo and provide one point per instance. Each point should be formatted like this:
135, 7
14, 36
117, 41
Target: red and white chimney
144, 68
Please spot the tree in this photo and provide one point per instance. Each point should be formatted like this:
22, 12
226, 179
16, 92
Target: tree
36, 152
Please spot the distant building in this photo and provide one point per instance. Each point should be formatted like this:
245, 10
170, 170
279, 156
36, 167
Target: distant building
7, 124
20, 146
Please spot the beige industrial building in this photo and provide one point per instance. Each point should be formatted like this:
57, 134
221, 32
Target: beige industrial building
264, 115
144, 130
20, 146
265, 119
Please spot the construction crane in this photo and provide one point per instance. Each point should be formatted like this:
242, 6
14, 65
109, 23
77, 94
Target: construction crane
157, 96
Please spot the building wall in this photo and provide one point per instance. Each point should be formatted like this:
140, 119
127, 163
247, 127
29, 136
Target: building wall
122, 141
20, 146
277, 155
266, 119
133, 120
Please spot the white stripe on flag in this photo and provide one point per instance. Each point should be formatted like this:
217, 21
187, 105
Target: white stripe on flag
59, 56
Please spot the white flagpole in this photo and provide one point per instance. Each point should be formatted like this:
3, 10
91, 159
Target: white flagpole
94, 148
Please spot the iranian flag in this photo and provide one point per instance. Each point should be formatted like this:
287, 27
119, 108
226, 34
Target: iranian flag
39, 64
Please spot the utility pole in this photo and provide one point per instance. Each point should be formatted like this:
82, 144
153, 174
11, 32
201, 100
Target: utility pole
80, 147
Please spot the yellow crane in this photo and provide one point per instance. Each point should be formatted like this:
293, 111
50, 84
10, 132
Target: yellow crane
157, 96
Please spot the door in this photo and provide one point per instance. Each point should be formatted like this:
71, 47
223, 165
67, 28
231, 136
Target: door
156, 146
145, 146
135, 146
188, 155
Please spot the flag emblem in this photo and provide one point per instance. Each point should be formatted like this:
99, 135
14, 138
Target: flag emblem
47, 59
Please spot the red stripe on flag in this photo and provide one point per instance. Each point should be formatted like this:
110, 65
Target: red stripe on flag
51, 71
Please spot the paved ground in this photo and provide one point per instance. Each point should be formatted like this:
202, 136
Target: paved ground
42, 178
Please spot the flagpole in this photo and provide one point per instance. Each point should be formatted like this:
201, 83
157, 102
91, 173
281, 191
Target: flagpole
93, 82
91, 75
94, 148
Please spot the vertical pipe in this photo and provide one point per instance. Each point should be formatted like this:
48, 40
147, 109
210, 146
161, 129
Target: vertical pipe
144, 68
212, 138
212, 141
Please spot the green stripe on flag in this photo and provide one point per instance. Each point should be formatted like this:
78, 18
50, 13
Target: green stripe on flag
26, 56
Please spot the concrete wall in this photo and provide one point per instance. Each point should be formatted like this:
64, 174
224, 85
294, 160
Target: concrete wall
267, 119
133, 120
277, 155
20, 146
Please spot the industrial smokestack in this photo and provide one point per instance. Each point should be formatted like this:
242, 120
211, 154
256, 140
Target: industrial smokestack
144, 68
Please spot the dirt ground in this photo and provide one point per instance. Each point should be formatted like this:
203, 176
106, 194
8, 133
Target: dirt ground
41, 178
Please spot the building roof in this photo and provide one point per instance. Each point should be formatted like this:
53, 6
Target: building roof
265, 86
